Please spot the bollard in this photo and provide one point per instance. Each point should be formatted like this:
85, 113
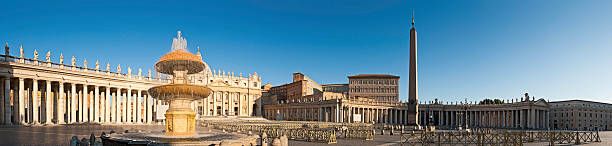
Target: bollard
276, 142
284, 140
74, 141
83, 142
264, 138
382, 132
597, 139
92, 139
577, 138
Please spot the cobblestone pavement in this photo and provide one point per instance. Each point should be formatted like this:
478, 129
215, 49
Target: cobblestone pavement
379, 140
61, 134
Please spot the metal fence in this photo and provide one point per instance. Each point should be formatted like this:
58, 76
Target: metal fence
496, 137
303, 131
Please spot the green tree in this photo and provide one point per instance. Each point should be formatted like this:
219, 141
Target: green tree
491, 101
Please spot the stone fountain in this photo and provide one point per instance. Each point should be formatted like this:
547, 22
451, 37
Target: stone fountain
180, 118
180, 124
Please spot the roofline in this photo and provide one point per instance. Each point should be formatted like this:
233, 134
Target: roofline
579, 101
373, 76
334, 84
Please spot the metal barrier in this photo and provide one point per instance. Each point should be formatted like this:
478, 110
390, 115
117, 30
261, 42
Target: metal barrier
497, 137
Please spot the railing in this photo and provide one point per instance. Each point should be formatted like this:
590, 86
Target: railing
324, 132
497, 137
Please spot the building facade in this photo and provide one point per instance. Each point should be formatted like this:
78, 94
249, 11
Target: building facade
294, 91
581, 115
36, 91
334, 104
380, 87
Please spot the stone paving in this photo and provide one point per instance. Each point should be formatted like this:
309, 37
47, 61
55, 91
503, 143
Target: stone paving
61, 134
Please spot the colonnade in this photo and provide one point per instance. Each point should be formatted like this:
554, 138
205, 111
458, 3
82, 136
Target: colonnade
226, 103
507, 118
337, 113
39, 101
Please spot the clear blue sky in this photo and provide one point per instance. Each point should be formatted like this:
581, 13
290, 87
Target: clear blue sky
467, 49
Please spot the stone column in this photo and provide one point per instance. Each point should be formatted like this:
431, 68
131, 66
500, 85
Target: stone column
7, 101
537, 119
205, 105
92, 105
60, 104
35, 101
138, 107
48, 103
113, 107
521, 118
21, 117
223, 104
3, 103
214, 96
96, 105
548, 120
117, 106
128, 106
80, 103
149, 110
124, 107
73, 103
107, 104
531, 118
84, 105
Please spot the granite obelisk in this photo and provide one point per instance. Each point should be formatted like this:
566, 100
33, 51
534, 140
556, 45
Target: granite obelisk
413, 118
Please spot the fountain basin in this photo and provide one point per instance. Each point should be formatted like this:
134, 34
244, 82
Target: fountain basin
179, 91
158, 138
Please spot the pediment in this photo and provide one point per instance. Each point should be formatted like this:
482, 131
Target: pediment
541, 102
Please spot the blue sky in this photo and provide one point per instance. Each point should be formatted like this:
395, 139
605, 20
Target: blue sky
467, 49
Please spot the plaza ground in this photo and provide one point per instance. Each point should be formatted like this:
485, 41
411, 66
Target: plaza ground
61, 134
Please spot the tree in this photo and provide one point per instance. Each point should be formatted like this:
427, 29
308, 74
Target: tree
491, 101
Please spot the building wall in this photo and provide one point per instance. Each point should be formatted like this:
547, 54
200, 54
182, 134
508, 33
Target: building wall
382, 88
581, 115
332, 105
338, 88
300, 87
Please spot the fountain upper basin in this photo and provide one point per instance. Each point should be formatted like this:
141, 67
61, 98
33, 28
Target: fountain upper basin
180, 91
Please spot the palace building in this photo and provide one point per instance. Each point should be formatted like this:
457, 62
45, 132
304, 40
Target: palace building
305, 100
41, 91
581, 115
